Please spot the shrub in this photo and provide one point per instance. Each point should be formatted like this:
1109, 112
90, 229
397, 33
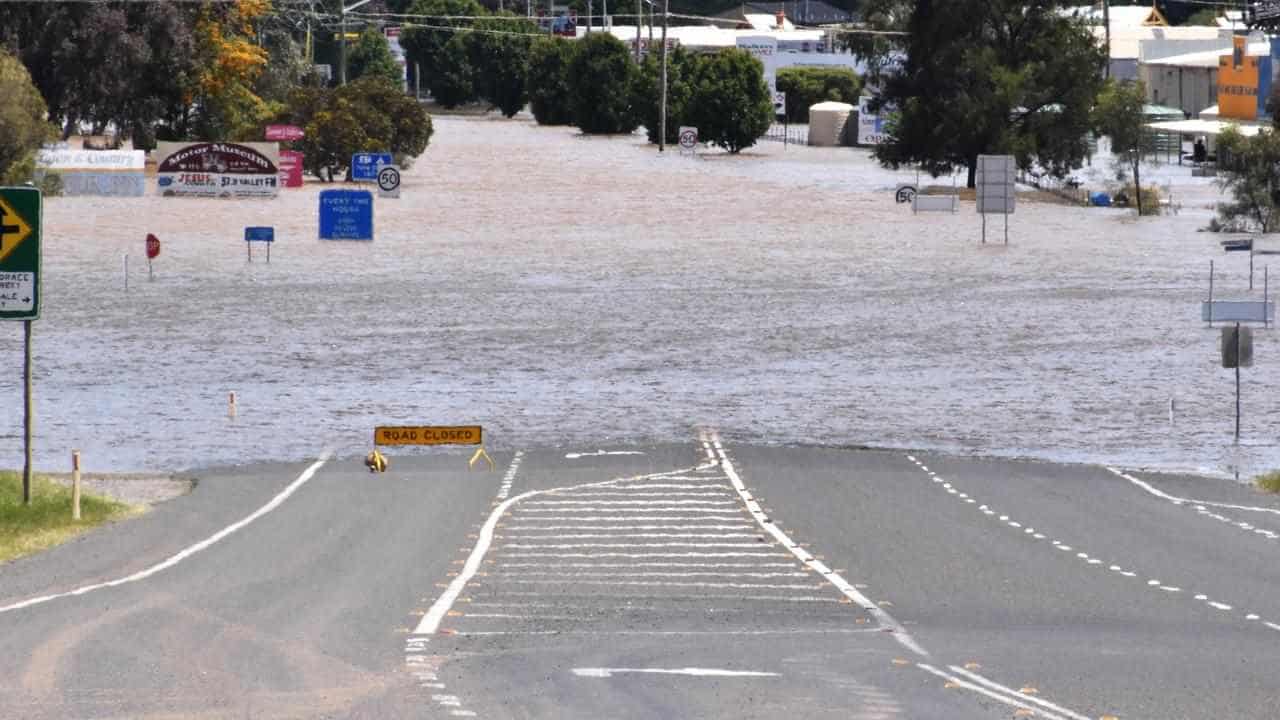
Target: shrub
731, 104
500, 63
548, 80
371, 56
1268, 482
23, 128
600, 81
450, 82
647, 88
806, 86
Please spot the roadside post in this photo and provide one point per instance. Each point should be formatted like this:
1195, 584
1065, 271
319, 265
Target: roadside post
75, 484
996, 192
20, 218
1237, 338
259, 234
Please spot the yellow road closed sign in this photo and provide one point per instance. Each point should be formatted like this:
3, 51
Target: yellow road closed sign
427, 435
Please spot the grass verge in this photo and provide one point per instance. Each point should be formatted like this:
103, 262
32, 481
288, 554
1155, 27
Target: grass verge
1268, 482
46, 522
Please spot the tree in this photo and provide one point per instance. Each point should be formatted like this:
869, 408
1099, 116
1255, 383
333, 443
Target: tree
730, 105
229, 61
23, 128
806, 86
499, 58
647, 89
371, 56
1249, 167
600, 78
1118, 115
991, 76
548, 80
451, 79
424, 45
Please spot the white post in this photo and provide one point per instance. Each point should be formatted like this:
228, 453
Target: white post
75, 484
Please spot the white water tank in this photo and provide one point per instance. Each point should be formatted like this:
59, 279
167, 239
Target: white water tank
827, 122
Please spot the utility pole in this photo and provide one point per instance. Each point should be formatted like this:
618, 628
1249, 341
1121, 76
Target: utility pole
1106, 23
342, 40
662, 105
639, 21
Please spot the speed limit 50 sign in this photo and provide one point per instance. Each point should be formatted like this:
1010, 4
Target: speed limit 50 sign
389, 181
688, 139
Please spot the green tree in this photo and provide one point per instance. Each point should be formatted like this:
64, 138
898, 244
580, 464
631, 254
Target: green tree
992, 76
647, 89
548, 80
806, 86
371, 55
423, 46
1249, 167
499, 58
730, 105
1118, 115
600, 80
23, 128
450, 81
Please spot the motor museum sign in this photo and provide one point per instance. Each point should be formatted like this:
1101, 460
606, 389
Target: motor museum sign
215, 169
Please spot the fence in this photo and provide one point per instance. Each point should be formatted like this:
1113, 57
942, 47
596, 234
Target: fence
792, 134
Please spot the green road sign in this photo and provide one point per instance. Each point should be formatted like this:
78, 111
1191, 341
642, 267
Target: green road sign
19, 253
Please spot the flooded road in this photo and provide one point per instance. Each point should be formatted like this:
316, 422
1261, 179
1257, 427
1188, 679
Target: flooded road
583, 292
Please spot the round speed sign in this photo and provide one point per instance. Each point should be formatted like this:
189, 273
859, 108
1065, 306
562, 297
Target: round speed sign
389, 179
688, 137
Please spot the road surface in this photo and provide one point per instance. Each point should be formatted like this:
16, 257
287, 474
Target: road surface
708, 579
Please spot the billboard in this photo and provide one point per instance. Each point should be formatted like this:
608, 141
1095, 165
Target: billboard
871, 129
291, 168
117, 173
1239, 80
216, 169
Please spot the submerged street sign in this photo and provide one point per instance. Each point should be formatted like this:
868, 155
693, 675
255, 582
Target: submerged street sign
364, 166
346, 215
427, 435
19, 253
1238, 311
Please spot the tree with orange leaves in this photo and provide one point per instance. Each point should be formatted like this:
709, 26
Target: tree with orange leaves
229, 60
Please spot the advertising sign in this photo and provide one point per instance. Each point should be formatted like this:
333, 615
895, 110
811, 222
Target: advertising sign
215, 169
284, 132
364, 166
1239, 79
870, 126
118, 173
291, 168
19, 253
346, 215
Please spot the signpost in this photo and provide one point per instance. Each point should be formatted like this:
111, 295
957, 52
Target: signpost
996, 193
20, 216
389, 181
287, 133
688, 140
346, 215
365, 166
1237, 341
259, 234
153, 252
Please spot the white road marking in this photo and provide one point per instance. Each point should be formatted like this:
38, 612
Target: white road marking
578, 546
187, 552
658, 583
655, 574
984, 691
510, 476
885, 619
631, 596
1199, 504
631, 527
693, 671
648, 555
599, 503
598, 536
633, 518
667, 494
781, 631
1021, 696
431, 620
575, 456
596, 507
506, 566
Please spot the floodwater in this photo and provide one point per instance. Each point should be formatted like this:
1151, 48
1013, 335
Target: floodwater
586, 292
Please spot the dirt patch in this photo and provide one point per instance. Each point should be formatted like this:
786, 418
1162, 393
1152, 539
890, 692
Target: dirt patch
134, 489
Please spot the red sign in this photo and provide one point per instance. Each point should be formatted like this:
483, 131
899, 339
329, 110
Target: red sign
153, 247
284, 132
291, 168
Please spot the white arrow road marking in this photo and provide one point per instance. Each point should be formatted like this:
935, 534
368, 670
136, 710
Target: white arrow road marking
693, 671
575, 456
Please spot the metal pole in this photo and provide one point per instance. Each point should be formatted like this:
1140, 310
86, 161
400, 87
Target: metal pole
1106, 22
1250, 264
1237, 383
589, 8
1210, 293
28, 418
417, 81
342, 47
1266, 303
662, 105
639, 21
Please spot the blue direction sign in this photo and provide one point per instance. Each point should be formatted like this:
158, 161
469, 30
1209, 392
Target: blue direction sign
364, 166
259, 234
346, 215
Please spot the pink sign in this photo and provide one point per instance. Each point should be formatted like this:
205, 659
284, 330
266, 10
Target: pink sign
291, 168
284, 132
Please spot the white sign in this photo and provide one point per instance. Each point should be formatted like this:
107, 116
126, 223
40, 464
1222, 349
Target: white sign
870, 126
995, 189
388, 181
118, 173
760, 46
17, 291
779, 103
688, 139
1235, 311
67, 159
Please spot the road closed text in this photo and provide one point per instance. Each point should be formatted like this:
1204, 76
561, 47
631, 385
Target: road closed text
428, 435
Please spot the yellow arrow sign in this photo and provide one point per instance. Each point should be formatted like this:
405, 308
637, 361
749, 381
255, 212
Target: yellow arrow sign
13, 229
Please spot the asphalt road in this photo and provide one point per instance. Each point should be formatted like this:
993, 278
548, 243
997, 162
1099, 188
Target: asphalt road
701, 580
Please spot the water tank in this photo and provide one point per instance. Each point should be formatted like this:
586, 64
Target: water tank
827, 121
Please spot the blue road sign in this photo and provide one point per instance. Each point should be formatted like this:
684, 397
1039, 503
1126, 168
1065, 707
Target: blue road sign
364, 166
259, 234
346, 215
